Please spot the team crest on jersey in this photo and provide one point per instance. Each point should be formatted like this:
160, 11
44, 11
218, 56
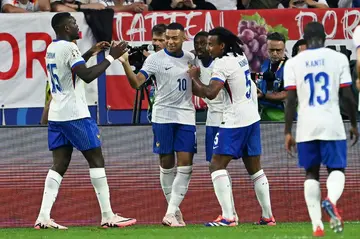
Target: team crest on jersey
98, 136
158, 144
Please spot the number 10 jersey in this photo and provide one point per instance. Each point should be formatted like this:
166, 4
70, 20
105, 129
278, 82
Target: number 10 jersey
67, 90
317, 75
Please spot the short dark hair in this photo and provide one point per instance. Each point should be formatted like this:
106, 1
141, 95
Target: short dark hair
314, 31
232, 42
275, 36
201, 34
175, 26
58, 20
158, 29
295, 48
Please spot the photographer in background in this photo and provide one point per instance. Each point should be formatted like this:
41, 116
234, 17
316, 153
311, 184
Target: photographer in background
273, 94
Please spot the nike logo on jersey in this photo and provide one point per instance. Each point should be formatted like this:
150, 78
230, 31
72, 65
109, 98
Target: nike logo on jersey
168, 68
215, 147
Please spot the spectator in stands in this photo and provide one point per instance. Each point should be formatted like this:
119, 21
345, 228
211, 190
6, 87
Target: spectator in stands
263, 4
273, 94
163, 5
228, 4
22, 6
299, 46
77, 5
308, 4
346, 3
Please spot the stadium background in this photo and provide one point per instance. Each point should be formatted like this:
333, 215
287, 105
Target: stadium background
132, 169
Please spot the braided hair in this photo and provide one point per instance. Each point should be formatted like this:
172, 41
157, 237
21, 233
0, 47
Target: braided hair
232, 42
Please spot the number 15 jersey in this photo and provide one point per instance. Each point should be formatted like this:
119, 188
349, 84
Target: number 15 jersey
173, 87
317, 75
67, 89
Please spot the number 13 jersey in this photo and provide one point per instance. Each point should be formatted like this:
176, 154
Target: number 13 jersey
173, 87
67, 90
240, 100
317, 75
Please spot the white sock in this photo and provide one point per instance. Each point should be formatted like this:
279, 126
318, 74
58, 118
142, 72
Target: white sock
232, 199
99, 181
179, 188
223, 191
167, 177
262, 191
312, 194
51, 189
335, 185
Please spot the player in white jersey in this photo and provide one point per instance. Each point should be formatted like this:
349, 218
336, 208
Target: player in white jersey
239, 133
173, 116
315, 77
69, 122
356, 40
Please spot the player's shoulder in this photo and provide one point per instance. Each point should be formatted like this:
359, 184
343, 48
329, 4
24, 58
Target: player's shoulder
62, 45
157, 56
356, 36
189, 55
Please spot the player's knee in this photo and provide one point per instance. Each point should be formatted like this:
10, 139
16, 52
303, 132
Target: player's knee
216, 165
335, 169
60, 168
97, 163
312, 175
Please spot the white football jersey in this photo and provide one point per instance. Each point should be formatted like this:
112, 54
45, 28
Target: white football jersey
356, 40
173, 87
215, 106
240, 106
67, 90
317, 75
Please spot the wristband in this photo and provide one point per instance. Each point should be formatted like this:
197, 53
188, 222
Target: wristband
110, 58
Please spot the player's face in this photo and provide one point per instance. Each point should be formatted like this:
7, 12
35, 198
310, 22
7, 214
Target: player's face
276, 50
301, 48
174, 40
72, 29
215, 48
158, 40
200, 46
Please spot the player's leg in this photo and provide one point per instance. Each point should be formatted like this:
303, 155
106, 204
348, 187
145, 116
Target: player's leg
310, 159
167, 174
85, 136
185, 146
211, 132
61, 151
223, 151
251, 158
335, 158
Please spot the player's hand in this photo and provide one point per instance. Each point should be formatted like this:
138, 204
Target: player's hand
117, 50
354, 135
358, 84
189, 3
290, 144
194, 72
99, 47
124, 58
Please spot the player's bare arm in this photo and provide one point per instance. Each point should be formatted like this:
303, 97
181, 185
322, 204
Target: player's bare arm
44, 116
205, 91
290, 111
350, 106
96, 49
135, 80
91, 73
276, 95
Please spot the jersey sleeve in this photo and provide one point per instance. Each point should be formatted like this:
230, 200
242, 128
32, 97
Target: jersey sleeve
345, 75
289, 76
219, 71
356, 37
4, 2
72, 56
150, 66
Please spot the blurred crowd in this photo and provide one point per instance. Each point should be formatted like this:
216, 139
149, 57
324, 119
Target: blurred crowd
138, 6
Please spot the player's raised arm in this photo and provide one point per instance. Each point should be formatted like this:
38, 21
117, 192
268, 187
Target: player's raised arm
91, 73
205, 91
135, 80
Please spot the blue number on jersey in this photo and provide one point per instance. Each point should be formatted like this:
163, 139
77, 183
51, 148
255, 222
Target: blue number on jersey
54, 78
324, 87
182, 84
248, 84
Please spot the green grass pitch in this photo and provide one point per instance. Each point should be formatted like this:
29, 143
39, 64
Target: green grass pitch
243, 231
